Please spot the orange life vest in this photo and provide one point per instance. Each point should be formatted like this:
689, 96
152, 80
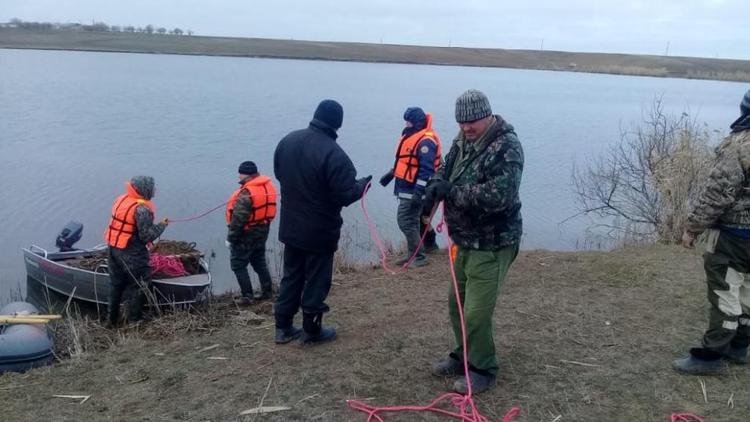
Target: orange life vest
122, 223
263, 195
407, 163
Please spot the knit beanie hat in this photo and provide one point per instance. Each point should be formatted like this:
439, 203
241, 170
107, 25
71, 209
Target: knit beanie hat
330, 112
745, 104
472, 105
416, 116
247, 167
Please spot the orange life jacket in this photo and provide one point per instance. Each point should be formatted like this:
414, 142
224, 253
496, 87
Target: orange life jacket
122, 223
263, 195
407, 163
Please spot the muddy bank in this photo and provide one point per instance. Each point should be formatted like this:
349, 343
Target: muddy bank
582, 337
621, 64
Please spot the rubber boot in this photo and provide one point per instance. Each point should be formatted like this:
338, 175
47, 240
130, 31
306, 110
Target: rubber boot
430, 244
313, 330
479, 382
448, 367
700, 362
285, 335
737, 355
266, 291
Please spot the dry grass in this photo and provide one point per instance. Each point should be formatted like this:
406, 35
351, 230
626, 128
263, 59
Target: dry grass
581, 337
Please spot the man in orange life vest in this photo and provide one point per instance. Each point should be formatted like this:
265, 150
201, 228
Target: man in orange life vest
250, 210
417, 159
131, 228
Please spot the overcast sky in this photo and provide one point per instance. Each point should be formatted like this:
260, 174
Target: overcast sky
708, 28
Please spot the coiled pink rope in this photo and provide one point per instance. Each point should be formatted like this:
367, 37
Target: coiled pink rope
685, 417
167, 265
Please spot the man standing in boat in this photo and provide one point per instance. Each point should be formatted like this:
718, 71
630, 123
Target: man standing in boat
250, 210
417, 159
317, 179
131, 228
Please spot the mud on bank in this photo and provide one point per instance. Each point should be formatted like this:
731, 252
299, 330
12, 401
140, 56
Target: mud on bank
586, 336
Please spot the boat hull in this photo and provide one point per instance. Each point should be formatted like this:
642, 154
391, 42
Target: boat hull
50, 270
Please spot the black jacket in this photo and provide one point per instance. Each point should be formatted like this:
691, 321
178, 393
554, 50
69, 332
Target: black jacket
317, 179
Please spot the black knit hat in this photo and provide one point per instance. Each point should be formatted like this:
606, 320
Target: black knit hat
745, 104
330, 112
247, 167
472, 105
416, 116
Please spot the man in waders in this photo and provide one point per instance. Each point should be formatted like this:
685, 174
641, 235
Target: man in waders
479, 184
249, 213
131, 228
723, 211
317, 179
417, 159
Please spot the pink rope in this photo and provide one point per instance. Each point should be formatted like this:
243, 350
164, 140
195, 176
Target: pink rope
379, 241
685, 417
167, 265
195, 217
467, 409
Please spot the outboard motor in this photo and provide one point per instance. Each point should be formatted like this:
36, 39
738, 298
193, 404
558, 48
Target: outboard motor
69, 235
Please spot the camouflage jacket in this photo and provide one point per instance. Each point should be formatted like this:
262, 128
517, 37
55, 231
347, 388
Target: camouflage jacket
483, 209
725, 198
237, 234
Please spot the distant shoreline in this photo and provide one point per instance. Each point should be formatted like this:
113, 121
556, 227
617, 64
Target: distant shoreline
618, 64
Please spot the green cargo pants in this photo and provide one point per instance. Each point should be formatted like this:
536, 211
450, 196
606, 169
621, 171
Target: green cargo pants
728, 257
480, 275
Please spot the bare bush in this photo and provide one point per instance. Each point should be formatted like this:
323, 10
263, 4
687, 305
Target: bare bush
642, 185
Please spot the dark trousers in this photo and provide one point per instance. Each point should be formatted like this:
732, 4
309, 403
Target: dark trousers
131, 274
408, 222
726, 262
253, 254
306, 283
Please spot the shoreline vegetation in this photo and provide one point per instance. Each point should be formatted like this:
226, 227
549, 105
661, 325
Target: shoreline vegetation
617, 64
585, 336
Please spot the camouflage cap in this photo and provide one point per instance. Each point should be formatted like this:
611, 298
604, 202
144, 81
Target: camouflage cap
472, 105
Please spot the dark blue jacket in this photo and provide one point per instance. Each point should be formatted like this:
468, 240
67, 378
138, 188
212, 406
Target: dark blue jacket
426, 151
317, 179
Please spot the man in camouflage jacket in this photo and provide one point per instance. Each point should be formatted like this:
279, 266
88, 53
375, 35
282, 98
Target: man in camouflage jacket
723, 211
479, 184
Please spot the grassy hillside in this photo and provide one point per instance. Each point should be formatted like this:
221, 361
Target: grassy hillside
626, 64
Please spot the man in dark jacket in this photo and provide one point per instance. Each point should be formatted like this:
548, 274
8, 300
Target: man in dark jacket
722, 210
417, 158
317, 179
131, 228
250, 210
479, 183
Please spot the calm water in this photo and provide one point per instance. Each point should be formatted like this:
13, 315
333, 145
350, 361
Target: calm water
74, 126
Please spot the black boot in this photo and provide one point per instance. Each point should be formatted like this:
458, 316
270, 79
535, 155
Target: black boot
430, 244
285, 335
737, 355
314, 331
700, 362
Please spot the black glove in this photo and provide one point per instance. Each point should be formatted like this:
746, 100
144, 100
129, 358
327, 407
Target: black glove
435, 192
386, 179
360, 184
